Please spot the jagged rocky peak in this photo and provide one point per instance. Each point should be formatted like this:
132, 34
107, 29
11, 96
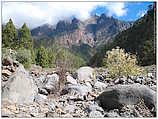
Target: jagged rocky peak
43, 30
94, 31
67, 25
92, 20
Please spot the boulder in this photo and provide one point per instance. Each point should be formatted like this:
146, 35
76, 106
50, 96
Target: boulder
51, 82
112, 113
88, 84
95, 107
140, 80
6, 72
130, 81
42, 91
20, 88
7, 61
116, 96
86, 74
95, 114
16, 63
80, 89
36, 69
150, 75
100, 85
66, 116
70, 109
71, 80
100, 78
39, 98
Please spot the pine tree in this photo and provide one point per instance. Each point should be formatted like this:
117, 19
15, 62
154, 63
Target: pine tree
26, 39
42, 57
33, 56
51, 58
9, 35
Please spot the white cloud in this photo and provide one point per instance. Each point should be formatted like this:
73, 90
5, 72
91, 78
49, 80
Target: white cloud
141, 13
38, 13
117, 9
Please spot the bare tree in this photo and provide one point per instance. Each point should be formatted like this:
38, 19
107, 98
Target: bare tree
63, 63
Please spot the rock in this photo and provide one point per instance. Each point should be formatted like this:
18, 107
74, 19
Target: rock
71, 80
52, 114
128, 111
140, 80
40, 82
52, 105
36, 69
51, 83
88, 84
67, 116
117, 81
12, 68
114, 97
150, 75
44, 109
42, 78
20, 88
34, 111
6, 113
86, 74
80, 89
42, 91
142, 109
3, 78
154, 87
75, 98
69, 109
6, 72
100, 78
123, 80
7, 61
100, 85
112, 113
95, 107
130, 81
39, 98
95, 114
59, 110
16, 63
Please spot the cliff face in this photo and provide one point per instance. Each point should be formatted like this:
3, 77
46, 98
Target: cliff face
95, 31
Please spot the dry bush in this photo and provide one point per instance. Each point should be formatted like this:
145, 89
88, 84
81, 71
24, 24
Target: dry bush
120, 63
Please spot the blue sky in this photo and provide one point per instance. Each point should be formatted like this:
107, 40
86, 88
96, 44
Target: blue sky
38, 13
135, 10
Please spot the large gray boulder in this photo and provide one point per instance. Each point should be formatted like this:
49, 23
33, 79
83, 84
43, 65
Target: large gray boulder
20, 88
115, 96
85, 74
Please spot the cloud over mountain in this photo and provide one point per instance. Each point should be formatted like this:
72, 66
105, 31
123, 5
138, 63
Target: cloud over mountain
37, 13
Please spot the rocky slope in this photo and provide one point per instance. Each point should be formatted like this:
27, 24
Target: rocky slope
94, 31
88, 92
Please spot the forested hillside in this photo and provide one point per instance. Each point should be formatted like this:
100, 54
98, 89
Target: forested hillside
28, 52
140, 39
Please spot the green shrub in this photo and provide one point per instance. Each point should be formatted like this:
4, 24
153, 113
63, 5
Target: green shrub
120, 63
24, 57
51, 58
42, 57
8, 52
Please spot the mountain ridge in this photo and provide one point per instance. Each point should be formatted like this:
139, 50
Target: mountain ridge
94, 31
